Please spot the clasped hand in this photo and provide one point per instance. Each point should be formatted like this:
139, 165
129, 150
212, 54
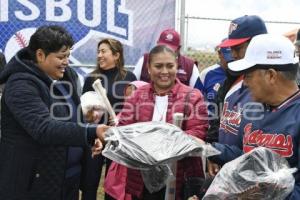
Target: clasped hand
99, 141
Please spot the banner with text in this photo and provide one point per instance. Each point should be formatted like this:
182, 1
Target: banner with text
137, 24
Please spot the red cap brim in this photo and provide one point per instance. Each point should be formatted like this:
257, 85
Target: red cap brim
233, 42
173, 47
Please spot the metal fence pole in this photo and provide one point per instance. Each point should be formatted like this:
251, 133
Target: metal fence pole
182, 25
186, 41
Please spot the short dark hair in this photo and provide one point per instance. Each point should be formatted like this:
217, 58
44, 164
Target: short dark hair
290, 75
50, 39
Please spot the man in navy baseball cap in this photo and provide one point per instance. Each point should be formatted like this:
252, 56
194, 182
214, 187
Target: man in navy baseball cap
243, 29
233, 94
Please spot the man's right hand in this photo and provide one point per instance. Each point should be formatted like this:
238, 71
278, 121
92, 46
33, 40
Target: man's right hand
212, 168
97, 148
99, 141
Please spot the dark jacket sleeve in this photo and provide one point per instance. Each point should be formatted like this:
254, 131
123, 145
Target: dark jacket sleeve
73, 77
228, 153
213, 130
295, 195
2, 61
23, 98
214, 124
88, 84
130, 76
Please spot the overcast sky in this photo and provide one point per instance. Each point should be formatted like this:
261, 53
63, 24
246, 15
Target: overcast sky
207, 33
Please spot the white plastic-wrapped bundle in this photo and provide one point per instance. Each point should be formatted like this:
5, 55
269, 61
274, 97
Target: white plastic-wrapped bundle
91, 101
258, 174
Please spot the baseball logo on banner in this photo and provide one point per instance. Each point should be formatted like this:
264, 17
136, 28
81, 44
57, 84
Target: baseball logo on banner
18, 41
136, 24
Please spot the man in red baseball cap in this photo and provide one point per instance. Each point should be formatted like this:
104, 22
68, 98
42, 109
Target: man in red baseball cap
170, 38
187, 72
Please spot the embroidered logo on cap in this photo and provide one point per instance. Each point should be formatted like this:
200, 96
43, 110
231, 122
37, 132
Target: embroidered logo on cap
169, 37
274, 54
232, 27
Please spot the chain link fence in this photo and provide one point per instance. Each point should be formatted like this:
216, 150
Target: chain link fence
87, 21
204, 34
136, 24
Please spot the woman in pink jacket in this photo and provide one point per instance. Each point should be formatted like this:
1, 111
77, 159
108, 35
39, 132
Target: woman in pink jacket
158, 101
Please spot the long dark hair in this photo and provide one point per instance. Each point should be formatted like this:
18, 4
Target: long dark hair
116, 47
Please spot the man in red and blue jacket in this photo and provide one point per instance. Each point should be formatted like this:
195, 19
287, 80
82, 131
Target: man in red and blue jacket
270, 69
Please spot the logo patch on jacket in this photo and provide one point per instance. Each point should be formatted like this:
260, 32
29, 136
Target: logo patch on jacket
181, 71
231, 119
217, 87
278, 142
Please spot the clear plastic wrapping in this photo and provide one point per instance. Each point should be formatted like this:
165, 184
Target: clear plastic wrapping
259, 174
150, 147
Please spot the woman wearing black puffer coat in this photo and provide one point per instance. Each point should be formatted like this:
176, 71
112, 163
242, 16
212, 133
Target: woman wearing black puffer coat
42, 142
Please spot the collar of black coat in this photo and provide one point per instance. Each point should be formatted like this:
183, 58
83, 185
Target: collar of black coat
22, 62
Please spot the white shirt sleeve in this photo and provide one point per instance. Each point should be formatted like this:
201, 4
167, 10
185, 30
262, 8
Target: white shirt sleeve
194, 77
138, 68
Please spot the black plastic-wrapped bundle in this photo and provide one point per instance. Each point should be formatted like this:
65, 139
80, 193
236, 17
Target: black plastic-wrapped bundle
258, 174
